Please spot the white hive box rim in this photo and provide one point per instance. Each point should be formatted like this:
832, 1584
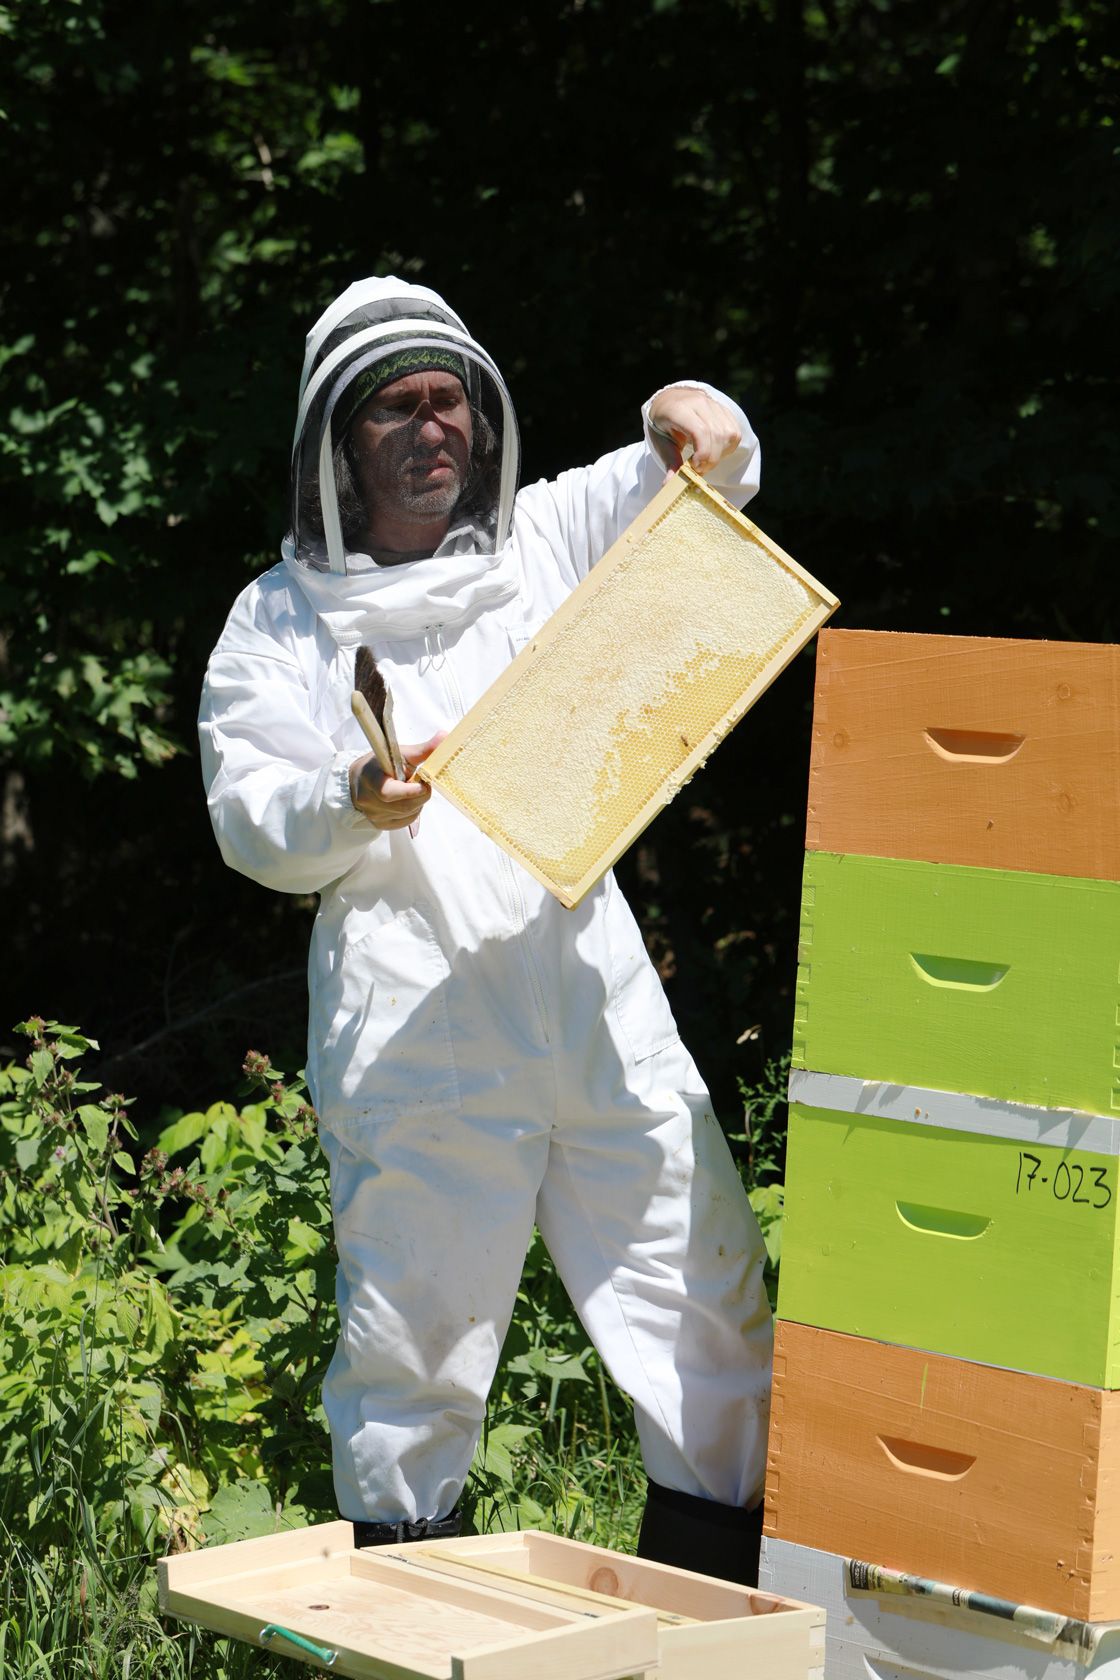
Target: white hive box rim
958, 1111
627, 727
939, 1634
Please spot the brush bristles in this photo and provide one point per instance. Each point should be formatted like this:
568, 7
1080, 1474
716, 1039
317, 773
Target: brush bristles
369, 683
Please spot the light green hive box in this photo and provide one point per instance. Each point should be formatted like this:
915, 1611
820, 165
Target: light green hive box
994, 1249
998, 982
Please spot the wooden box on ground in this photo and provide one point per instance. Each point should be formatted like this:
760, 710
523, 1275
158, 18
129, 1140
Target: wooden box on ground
996, 982
985, 1478
707, 1629
628, 687
961, 749
1001, 1249
501, 1607
881, 1635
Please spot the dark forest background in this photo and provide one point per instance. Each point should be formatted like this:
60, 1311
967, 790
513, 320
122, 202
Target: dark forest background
889, 227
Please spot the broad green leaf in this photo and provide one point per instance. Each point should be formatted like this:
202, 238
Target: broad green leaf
42, 1066
27, 1152
96, 1125
183, 1132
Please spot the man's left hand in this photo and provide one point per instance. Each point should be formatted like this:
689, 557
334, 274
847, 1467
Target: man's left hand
688, 419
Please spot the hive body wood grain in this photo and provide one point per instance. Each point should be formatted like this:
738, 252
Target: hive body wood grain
968, 750
985, 1478
629, 687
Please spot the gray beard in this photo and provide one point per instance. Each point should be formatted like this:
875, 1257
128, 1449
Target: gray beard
430, 503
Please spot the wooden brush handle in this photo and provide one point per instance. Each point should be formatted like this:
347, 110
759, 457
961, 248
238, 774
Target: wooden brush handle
372, 731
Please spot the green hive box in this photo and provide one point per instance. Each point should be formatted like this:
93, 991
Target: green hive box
996, 982
994, 1249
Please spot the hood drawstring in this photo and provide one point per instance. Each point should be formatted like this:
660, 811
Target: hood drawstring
435, 654
436, 659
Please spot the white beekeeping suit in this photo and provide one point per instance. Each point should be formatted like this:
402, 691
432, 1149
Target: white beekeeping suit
479, 1057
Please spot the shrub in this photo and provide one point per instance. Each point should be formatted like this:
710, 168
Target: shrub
166, 1318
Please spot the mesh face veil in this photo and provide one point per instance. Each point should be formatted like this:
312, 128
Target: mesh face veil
369, 321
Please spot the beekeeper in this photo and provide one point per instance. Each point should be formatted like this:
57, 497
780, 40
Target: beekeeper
480, 1058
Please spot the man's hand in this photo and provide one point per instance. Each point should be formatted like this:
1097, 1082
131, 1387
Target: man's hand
382, 800
690, 419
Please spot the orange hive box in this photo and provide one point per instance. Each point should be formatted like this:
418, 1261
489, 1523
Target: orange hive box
629, 686
961, 749
988, 1479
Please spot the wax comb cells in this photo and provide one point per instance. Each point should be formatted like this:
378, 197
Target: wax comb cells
629, 687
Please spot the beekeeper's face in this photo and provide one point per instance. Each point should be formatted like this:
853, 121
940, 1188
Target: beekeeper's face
412, 447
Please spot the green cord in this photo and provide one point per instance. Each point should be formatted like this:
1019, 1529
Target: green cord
324, 1653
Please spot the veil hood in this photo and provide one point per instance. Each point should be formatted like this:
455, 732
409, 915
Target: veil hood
369, 320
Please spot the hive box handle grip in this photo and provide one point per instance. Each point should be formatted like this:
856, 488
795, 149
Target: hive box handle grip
918, 1459
942, 1222
322, 1653
958, 973
973, 746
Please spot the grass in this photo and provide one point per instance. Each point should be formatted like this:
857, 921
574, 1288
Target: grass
74, 1615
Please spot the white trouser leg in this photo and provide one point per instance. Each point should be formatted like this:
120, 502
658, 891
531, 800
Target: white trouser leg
646, 1218
621, 1159
432, 1220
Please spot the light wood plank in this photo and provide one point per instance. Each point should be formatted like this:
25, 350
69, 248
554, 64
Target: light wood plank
538, 1588
613, 1574
217, 1563
601, 1649
784, 1647
415, 1576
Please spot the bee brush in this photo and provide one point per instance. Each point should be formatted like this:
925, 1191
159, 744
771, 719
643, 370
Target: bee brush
372, 705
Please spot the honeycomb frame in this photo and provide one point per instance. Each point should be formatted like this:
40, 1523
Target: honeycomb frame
595, 675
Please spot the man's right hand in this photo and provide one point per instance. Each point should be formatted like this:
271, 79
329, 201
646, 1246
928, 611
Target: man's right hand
382, 800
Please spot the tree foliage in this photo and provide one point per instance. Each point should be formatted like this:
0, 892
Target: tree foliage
887, 227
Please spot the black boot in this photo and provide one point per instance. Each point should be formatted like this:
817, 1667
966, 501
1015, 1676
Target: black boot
692, 1533
399, 1533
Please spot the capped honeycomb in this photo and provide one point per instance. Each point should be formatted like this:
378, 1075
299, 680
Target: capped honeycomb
626, 690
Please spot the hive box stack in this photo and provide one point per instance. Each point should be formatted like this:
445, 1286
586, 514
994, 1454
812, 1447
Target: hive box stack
947, 1364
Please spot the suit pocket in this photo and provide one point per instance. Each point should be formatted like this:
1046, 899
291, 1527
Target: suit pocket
386, 1050
638, 1000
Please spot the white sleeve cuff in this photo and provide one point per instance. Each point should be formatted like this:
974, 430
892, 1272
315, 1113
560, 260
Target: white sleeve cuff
737, 476
336, 797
